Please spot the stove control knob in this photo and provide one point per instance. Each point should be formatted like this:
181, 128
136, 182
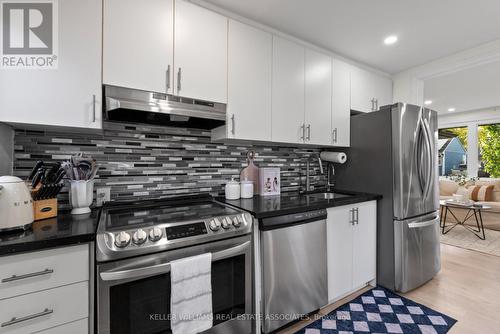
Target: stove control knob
139, 237
214, 224
155, 234
122, 239
236, 222
226, 223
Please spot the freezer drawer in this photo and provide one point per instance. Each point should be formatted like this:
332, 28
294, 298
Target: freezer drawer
294, 270
418, 254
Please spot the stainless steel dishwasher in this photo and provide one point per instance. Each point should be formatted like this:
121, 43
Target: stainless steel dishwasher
294, 272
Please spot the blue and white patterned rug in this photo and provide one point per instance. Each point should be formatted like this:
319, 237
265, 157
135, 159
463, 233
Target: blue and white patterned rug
381, 311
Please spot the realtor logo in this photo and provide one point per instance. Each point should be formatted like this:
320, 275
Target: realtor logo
28, 34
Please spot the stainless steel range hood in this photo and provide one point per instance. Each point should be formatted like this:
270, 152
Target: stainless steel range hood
138, 106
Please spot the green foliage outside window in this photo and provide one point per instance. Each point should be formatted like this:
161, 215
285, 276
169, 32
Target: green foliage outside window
489, 146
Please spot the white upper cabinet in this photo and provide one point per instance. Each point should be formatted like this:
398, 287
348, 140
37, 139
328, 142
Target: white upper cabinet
249, 83
318, 98
288, 91
69, 95
341, 99
138, 44
200, 53
369, 91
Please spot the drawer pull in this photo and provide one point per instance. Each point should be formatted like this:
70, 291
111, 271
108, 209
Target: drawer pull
17, 278
15, 320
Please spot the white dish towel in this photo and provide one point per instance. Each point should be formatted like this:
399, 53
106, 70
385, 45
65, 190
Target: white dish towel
191, 294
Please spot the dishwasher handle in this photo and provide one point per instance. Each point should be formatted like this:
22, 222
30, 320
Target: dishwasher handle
293, 219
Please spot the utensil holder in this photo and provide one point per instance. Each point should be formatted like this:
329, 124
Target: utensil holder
81, 195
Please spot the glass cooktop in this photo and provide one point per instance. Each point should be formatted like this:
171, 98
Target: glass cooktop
149, 214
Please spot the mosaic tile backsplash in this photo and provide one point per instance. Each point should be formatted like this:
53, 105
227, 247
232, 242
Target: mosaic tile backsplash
142, 161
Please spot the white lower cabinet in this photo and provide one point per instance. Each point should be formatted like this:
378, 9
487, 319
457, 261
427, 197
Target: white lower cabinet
351, 247
45, 291
75, 327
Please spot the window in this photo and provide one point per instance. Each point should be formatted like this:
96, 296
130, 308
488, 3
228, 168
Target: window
452, 148
489, 150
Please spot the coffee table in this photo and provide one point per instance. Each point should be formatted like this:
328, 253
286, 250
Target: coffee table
473, 211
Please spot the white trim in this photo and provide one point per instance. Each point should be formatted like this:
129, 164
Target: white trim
408, 84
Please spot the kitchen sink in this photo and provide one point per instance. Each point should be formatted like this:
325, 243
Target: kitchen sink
328, 195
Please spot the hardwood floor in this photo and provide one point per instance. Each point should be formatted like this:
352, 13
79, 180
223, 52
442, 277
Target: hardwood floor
467, 288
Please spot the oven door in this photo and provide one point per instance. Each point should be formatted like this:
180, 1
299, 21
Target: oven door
133, 295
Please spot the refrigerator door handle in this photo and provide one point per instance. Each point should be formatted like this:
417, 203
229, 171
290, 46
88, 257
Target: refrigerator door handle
424, 223
430, 170
419, 155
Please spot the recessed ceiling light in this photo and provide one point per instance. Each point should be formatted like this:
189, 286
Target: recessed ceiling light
451, 109
427, 102
389, 40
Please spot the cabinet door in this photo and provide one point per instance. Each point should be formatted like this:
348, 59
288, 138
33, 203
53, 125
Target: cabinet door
200, 53
318, 98
383, 91
69, 95
138, 44
288, 92
362, 90
249, 82
365, 244
341, 103
339, 248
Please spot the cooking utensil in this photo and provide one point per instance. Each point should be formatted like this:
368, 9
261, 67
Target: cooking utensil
251, 172
38, 177
35, 169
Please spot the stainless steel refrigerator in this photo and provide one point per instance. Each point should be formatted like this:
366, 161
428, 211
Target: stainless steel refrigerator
394, 153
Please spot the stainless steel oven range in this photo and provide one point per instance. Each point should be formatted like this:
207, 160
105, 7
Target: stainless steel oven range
136, 241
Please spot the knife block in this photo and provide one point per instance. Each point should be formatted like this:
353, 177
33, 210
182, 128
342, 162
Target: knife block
46, 208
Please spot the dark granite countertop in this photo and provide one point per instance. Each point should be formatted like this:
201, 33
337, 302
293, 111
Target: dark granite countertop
63, 230
293, 202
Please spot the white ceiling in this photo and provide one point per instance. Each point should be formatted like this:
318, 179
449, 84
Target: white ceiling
427, 29
471, 89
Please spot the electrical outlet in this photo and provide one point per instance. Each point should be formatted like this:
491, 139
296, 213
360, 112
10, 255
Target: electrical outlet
103, 195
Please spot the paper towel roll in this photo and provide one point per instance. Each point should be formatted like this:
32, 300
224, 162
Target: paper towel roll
338, 157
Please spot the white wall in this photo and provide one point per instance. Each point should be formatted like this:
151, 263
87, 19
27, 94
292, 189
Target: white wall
471, 119
6, 149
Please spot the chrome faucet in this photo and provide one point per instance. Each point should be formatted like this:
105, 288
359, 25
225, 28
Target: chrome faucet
308, 181
330, 174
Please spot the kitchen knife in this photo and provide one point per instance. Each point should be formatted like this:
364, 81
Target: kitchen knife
35, 169
59, 176
38, 177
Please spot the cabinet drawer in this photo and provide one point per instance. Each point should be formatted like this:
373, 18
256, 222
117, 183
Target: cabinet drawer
76, 327
30, 272
44, 309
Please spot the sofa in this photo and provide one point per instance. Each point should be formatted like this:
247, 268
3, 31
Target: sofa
491, 217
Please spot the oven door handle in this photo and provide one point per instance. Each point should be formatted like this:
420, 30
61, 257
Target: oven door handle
164, 268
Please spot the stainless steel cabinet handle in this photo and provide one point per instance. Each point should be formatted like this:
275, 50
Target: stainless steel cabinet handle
20, 277
303, 128
376, 104
179, 77
351, 216
335, 136
168, 78
233, 131
93, 108
356, 218
373, 104
308, 132
15, 320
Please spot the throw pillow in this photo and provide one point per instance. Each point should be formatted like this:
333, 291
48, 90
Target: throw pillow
482, 193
